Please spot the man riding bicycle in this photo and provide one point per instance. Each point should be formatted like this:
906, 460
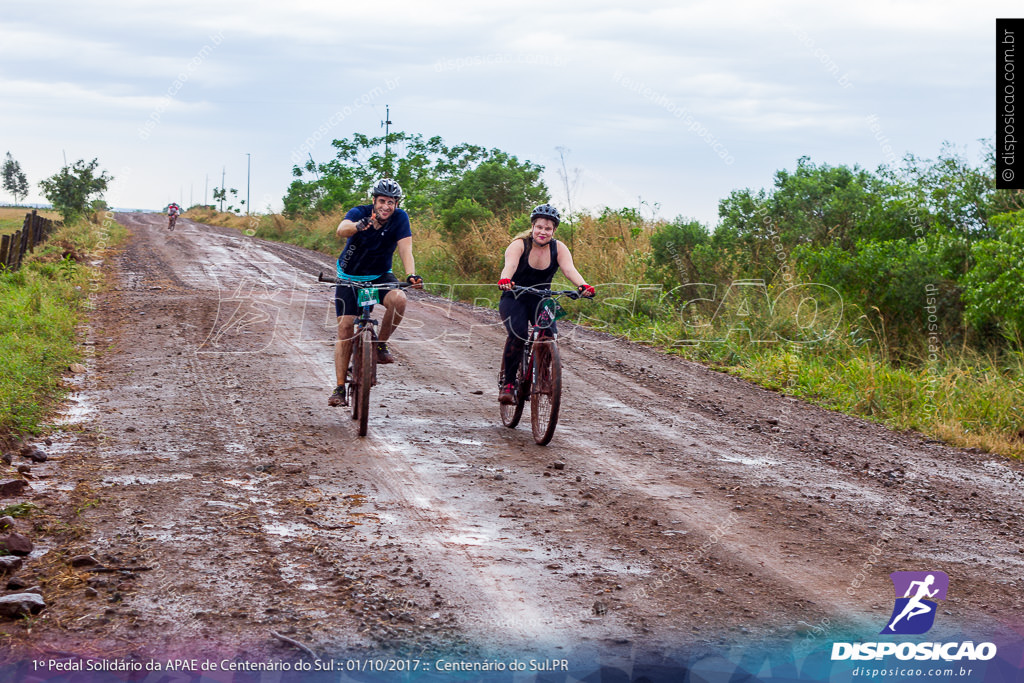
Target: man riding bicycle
527, 266
173, 210
372, 232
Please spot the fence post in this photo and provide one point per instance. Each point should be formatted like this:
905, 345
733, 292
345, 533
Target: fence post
21, 236
30, 225
5, 245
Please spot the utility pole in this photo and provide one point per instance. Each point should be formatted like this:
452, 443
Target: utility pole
568, 196
387, 132
248, 167
223, 170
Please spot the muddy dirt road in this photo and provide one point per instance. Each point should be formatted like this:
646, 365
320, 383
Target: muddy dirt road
694, 511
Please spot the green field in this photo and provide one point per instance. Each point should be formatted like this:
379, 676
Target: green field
12, 218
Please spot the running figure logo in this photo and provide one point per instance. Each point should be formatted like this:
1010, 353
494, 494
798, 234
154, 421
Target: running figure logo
916, 596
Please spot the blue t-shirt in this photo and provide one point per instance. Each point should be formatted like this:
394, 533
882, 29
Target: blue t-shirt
370, 252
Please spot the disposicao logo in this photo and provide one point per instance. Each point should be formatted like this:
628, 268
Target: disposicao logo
916, 595
913, 613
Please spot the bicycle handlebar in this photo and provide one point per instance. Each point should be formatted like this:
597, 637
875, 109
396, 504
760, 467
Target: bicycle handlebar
571, 293
361, 285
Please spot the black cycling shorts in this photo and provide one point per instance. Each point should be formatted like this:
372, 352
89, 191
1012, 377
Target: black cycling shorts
345, 297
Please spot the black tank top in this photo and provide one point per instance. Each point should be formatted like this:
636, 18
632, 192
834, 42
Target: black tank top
528, 276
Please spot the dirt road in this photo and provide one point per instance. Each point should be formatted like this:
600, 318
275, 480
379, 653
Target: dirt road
694, 512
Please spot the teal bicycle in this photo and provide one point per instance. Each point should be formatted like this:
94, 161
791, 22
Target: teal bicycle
362, 365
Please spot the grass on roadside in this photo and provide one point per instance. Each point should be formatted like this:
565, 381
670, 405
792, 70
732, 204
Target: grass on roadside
41, 305
966, 399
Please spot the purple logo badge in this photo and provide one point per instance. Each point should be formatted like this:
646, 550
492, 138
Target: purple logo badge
916, 596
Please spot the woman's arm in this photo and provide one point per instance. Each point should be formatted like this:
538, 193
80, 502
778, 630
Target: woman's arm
513, 253
567, 266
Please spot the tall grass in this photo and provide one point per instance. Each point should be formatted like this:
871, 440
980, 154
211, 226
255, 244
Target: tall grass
795, 338
41, 305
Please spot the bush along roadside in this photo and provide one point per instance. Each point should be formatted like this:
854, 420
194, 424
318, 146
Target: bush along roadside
837, 354
41, 306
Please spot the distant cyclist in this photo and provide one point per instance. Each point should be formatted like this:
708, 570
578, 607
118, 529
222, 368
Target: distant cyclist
531, 261
173, 210
372, 232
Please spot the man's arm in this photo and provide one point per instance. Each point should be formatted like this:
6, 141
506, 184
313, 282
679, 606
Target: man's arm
348, 228
405, 253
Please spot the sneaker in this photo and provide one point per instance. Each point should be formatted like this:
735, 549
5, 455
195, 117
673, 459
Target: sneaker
338, 398
383, 354
507, 395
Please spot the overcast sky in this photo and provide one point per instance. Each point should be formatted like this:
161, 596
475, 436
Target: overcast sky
671, 104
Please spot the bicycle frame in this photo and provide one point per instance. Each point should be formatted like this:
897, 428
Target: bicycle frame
537, 329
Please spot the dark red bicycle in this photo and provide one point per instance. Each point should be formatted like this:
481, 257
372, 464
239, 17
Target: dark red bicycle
539, 375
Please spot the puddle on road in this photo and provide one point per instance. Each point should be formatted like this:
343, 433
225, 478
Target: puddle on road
477, 538
244, 484
78, 408
297, 575
286, 530
464, 442
133, 479
743, 460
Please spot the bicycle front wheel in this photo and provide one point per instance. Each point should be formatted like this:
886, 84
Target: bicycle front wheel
365, 372
353, 377
545, 390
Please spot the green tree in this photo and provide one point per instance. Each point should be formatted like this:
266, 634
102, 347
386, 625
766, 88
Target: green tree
502, 184
433, 175
463, 213
957, 192
15, 181
890, 282
994, 287
672, 249
70, 190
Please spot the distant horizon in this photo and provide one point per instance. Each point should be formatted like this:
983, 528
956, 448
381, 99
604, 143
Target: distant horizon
49, 207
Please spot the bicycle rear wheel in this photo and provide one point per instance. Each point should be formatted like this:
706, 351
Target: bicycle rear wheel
546, 390
511, 413
364, 368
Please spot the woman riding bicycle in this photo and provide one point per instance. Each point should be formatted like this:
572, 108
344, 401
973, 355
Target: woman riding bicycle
526, 266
